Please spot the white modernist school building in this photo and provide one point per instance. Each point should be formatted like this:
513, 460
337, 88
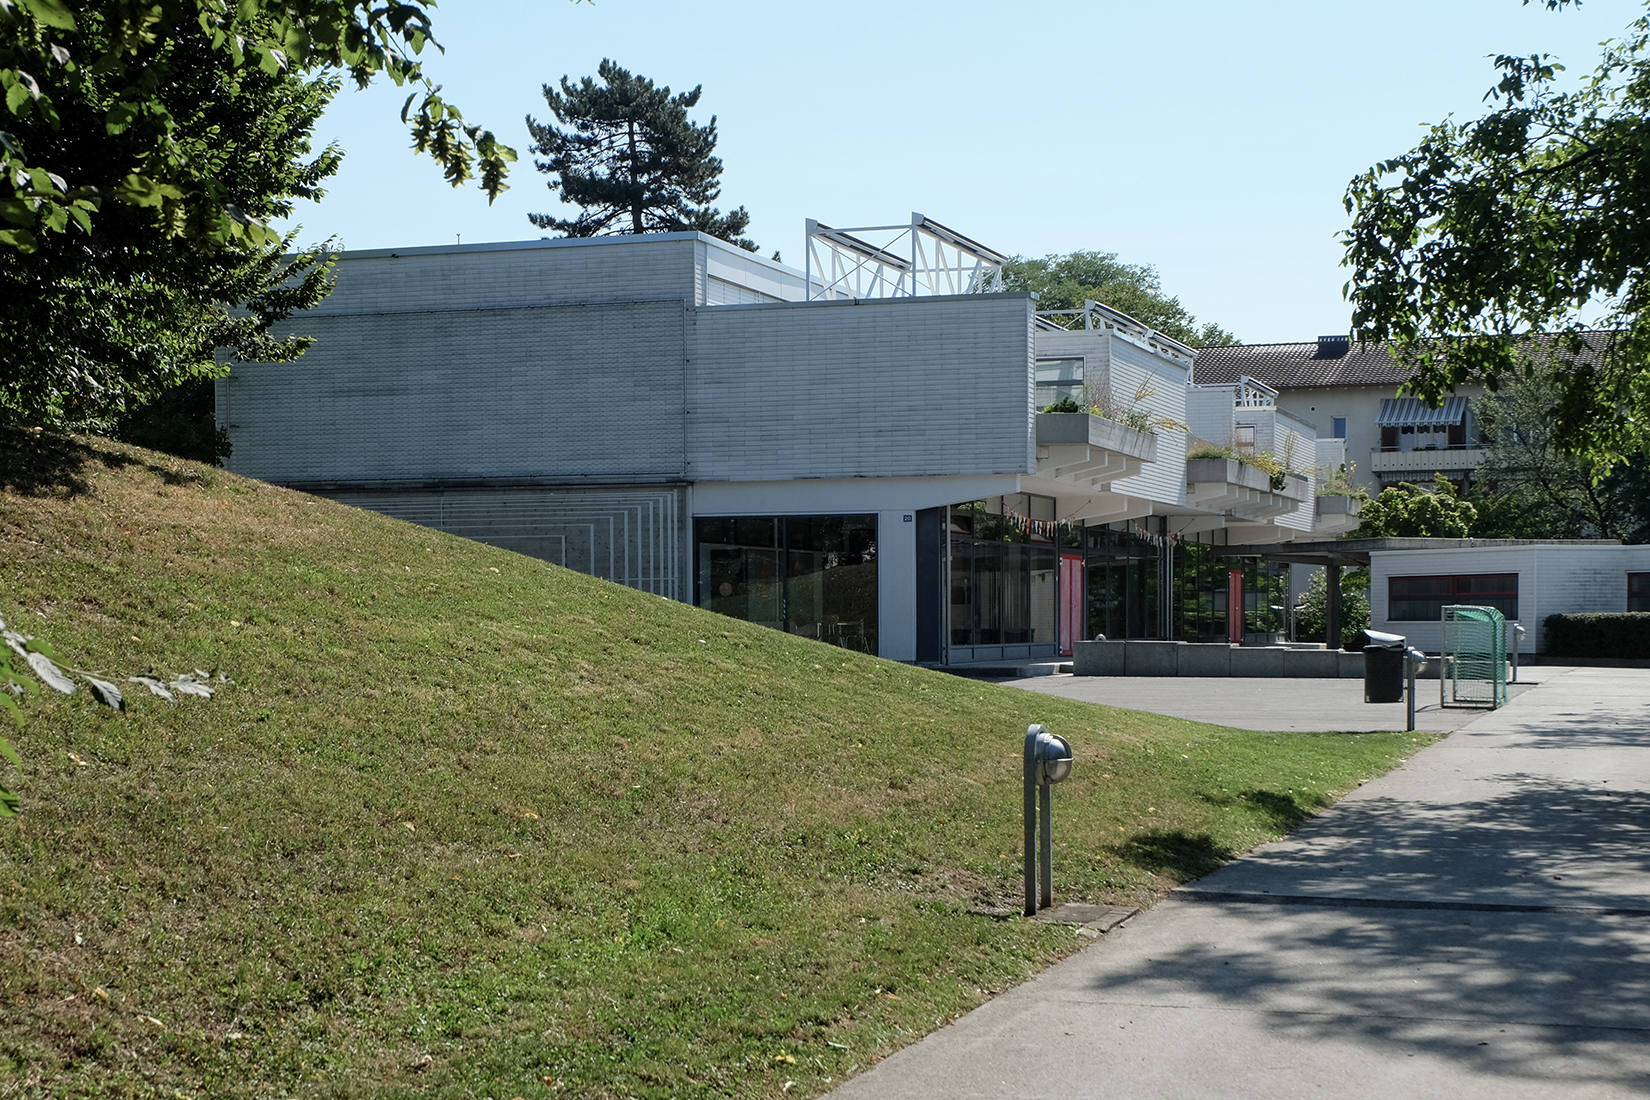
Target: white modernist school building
852, 452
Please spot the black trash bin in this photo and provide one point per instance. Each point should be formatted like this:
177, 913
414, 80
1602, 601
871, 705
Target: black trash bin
1384, 667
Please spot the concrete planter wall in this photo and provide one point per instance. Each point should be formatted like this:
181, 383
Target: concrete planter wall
1148, 658
1229, 471
1339, 506
1088, 430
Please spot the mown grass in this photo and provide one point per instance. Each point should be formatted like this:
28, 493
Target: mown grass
469, 825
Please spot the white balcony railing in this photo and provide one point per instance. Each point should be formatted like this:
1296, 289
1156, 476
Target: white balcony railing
1442, 460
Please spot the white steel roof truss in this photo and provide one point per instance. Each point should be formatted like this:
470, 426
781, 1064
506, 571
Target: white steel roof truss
841, 264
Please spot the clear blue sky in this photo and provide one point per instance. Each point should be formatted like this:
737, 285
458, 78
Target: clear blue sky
1209, 138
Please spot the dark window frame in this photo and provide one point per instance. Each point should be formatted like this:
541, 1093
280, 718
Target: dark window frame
1437, 591
1638, 591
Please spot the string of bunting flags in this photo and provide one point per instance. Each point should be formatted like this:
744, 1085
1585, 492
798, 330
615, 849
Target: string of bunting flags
1144, 532
1050, 528
1031, 528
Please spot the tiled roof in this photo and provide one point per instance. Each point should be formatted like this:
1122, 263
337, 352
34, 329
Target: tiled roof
1327, 361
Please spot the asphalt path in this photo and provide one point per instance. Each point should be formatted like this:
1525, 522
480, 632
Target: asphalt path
1475, 924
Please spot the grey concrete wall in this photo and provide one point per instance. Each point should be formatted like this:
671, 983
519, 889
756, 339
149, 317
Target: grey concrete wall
1206, 660
1312, 664
1152, 658
1098, 658
1147, 658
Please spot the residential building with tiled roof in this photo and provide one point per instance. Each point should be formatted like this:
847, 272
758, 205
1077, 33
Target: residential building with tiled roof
1349, 391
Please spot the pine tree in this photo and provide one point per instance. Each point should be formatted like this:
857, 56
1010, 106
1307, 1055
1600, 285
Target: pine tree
632, 159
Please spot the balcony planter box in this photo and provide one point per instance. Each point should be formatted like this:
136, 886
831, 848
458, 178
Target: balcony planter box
1339, 506
1088, 430
1229, 471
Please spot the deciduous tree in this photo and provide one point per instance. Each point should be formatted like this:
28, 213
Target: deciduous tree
1530, 219
1529, 487
1067, 281
105, 315
1408, 511
627, 154
110, 64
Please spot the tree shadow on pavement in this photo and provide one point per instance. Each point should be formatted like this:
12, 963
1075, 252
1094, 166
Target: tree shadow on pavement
1435, 933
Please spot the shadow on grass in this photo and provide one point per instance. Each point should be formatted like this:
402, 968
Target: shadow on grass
1282, 809
45, 463
1185, 856
1174, 853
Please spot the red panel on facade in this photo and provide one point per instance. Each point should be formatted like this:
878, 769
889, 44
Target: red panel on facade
1234, 606
1071, 601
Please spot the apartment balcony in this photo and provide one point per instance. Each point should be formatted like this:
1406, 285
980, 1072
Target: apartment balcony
1443, 460
1243, 492
1089, 451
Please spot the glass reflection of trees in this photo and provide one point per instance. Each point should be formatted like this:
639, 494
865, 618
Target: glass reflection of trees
1123, 588
815, 576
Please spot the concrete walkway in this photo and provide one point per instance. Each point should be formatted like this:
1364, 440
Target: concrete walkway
1267, 704
1476, 924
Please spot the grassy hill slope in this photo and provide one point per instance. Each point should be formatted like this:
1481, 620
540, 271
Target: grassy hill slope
467, 824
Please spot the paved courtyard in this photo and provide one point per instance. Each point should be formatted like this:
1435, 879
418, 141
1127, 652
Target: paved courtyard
1268, 704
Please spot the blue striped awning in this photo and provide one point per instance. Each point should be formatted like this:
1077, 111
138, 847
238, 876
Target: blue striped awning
1412, 412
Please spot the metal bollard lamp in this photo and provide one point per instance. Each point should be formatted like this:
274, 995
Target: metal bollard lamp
1415, 662
1047, 762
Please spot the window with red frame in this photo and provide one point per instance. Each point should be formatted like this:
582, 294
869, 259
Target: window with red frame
1423, 599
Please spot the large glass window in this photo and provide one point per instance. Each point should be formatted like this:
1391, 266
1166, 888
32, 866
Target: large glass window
815, 576
1004, 579
1638, 591
1423, 599
1125, 587
1123, 583
1058, 379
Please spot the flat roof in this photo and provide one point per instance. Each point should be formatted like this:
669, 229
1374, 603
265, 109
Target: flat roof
603, 240
1355, 552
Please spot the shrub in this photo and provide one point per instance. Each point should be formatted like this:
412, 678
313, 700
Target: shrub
1609, 634
1312, 612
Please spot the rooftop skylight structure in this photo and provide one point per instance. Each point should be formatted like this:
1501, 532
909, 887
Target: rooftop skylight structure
897, 261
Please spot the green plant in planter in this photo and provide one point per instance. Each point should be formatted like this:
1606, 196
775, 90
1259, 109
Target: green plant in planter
1277, 473
1339, 483
1064, 405
1101, 403
1209, 450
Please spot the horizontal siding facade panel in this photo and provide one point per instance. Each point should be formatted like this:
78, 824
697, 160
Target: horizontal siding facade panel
1552, 580
911, 386
550, 391
1162, 384
492, 277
